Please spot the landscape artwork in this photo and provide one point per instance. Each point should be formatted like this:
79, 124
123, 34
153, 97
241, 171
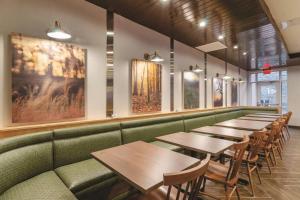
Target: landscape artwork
48, 80
234, 93
145, 86
190, 90
217, 92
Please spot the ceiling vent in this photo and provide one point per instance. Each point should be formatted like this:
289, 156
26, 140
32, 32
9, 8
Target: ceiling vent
214, 46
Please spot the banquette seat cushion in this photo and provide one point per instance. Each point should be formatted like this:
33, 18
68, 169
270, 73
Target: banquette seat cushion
72, 156
26, 169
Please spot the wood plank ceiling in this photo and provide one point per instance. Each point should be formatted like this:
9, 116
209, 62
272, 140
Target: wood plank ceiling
242, 22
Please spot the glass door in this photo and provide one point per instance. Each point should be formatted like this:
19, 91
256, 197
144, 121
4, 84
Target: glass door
268, 93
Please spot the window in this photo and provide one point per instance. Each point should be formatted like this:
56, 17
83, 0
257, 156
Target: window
269, 89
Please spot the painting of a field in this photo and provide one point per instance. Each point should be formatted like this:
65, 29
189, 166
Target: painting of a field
190, 90
217, 92
145, 86
48, 80
234, 93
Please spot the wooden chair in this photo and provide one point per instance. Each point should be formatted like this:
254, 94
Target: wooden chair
287, 118
277, 144
183, 185
266, 148
251, 156
227, 175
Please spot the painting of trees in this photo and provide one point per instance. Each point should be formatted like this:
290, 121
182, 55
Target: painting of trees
145, 86
48, 79
190, 90
217, 92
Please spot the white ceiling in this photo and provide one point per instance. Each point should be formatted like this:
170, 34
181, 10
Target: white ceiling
287, 10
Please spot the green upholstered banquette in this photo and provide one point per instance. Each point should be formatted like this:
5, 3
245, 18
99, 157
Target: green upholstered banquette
57, 164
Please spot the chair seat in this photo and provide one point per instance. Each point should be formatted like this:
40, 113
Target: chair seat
158, 194
217, 172
230, 153
81, 175
46, 186
166, 145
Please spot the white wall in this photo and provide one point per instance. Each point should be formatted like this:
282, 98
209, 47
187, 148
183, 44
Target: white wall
86, 22
294, 94
131, 41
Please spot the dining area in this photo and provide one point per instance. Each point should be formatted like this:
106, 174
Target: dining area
230, 154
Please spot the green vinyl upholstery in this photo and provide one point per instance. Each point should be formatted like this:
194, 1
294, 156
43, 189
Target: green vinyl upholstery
81, 175
227, 114
253, 110
24, 157
196, 120
46, 186
76, 144
167, 146
72, 155
147, 129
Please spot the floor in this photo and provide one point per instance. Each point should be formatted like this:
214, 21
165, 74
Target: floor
282, 184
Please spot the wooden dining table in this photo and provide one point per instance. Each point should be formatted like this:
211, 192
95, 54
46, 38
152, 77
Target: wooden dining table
224, 132
143, 164
262, 116
196, 142
263, 119
269, 114
244, 124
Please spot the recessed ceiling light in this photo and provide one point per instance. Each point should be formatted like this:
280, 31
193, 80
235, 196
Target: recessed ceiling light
164, 0
221, 37
202, 23
235, 46
109, 52
244, 53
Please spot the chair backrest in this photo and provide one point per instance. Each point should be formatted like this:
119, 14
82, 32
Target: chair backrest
289, 115
191, 178
272, 133
236, 161
256, 141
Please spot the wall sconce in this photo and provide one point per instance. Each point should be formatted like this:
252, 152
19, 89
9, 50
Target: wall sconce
195, 68
57, 32
225, 76
153, 57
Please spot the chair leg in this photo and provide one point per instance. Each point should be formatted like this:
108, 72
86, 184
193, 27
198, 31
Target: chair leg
279, 152
257, 172
287, 131
203, 187
267, 157
237, 193
250, 179
273, 154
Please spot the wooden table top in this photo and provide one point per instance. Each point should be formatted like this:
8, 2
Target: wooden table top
244, 124
229, 133
263, 119
263, 116
196, 142
142, 164
270, 114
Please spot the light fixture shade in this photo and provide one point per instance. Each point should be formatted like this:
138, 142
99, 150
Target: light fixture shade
57, 32
241, 80
226, 77
156, 58
197, 69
